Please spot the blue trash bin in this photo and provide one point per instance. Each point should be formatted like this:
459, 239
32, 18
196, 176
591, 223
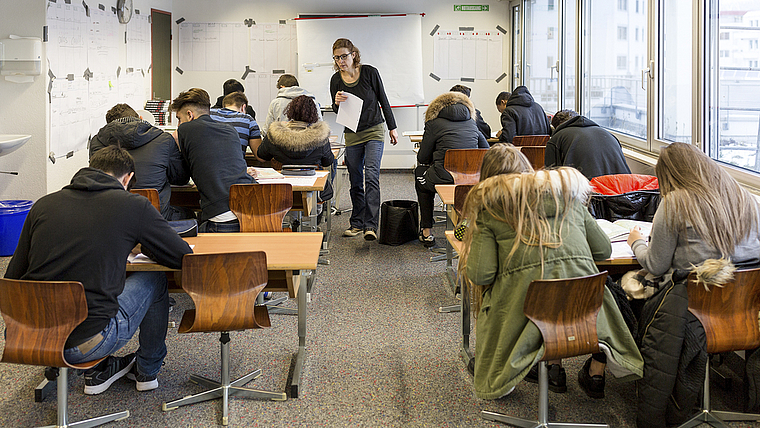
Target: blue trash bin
12, 216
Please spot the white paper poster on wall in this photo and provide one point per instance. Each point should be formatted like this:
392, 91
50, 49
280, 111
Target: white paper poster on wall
468, 54
69, 116
138, 43
392, 44
68, 26
212, 46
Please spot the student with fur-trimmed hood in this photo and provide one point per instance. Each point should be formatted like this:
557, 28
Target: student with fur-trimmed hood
449, 124
303, 140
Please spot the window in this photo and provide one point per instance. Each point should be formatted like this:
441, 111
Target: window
540, 42
550, 33
724, 54
637, 34
724, 35
622, 33
622, 62
675, 94
550, 5
612, 90
550, 62
637, 6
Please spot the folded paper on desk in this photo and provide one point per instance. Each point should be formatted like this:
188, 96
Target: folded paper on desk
264, 173
618, 231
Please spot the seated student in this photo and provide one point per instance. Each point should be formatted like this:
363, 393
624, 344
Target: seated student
212, 150
287, 89
84, 233
579, 142
482, 125
704, 214
230, 86
303, 140
524, 227
449, 124
234, 114
522, 116
158, 162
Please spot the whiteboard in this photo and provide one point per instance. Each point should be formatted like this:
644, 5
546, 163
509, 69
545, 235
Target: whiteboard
392, 44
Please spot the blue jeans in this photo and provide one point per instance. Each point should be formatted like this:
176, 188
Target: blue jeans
144, 303
363, 164
214, 227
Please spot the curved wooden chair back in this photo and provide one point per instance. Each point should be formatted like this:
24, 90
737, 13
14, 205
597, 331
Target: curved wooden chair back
151, 194
728, 313
460, 195
464, 164
565, 311
39, 317
224, 289
530, 140
261, 207
535, 155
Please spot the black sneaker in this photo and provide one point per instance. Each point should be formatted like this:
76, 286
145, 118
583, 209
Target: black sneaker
99, 378
427, 241
557, 377
370, 235
144, 383
593, 386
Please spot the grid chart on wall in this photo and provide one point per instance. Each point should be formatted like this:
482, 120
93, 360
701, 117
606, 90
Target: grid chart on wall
87, 76
468, 54
267, 50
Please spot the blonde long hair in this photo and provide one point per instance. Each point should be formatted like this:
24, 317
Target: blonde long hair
697, 192
519, 201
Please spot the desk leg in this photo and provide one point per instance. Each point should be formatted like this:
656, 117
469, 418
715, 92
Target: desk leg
466, 354
296, 382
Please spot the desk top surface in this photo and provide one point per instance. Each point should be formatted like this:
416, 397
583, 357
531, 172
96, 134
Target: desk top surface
631, 261
446, 192
285, 251
318, 185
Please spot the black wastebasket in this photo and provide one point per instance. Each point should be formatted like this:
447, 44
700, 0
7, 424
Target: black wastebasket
399, 222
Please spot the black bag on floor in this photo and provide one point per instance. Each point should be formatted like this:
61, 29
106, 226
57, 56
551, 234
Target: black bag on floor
399, 222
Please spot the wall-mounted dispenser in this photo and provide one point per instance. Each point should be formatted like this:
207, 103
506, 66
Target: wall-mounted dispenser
20, 58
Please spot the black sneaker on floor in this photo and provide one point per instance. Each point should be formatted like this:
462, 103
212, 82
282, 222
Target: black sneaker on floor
144, 383
99, 378
593, 386
557, 377
370, 235
427, 241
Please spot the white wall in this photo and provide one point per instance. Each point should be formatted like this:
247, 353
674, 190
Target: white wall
436, 13
24, 109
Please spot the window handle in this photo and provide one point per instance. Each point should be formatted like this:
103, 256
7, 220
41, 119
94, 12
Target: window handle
648, 72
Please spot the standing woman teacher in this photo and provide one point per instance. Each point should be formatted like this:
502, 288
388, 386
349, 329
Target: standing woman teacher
364, 148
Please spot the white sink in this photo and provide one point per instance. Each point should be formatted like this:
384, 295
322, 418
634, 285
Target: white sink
10, 142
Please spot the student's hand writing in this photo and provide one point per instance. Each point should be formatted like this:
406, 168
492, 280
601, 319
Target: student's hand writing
394, 136
634, 235
252, 171
340, 97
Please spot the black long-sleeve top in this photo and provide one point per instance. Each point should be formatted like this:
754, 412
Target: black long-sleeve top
369, 88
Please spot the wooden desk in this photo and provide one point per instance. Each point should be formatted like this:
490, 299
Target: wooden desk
304, 197
416, 137
286, 253
446, 192
619, 265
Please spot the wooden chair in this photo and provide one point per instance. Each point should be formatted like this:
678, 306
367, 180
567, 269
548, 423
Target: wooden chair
464, 164
224, 289
460, 195
530, 140
535, 155
565, 311
39, 317
261, 207
729, 316
151, 194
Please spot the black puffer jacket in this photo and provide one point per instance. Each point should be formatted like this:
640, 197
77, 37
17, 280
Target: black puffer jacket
158, 162
523, 116
296, 143
449, 124
672, 343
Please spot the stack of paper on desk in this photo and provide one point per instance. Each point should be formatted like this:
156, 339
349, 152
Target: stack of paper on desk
618, 231
265, 173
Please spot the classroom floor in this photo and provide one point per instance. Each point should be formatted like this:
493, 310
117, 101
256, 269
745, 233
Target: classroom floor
379, 355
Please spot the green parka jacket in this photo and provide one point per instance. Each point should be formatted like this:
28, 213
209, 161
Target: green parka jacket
507, 342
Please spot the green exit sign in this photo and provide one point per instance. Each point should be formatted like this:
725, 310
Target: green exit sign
470, 8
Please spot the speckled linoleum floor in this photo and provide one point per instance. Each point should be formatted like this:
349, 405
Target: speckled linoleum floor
379, 355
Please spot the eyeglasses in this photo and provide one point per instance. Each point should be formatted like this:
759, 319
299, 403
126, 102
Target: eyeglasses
341, 57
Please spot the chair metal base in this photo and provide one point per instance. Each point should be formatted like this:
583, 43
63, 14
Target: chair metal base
543, 409
450, 309
715, 418
63, 412
224, 389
